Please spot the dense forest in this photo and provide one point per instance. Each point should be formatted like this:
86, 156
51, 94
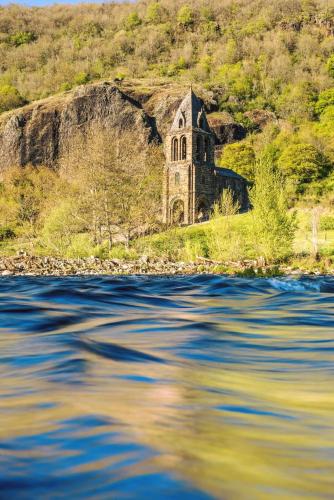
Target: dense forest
270, 65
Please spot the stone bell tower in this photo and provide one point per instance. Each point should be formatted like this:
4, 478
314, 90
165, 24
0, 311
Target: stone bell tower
189, 185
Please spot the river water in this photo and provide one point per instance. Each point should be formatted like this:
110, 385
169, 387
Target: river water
185, 387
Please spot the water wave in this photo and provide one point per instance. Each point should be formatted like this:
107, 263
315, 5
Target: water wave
176, 387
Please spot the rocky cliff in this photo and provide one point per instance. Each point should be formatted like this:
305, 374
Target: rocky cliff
39, 132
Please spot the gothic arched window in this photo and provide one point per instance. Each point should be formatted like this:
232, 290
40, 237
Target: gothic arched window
207, 149
177, 178
183, 148
175, 149
180, 122
199, 150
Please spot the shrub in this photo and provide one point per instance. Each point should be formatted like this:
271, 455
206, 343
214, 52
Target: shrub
132, 21
122, 253
81, 78
154, 13
225, 238
81, 245
6, 233
272, 225
327, 223
21, 38
185, 16
10, 98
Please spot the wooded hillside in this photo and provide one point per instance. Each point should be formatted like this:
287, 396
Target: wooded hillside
270, 64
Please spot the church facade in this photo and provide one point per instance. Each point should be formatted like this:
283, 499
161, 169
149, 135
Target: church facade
192, 182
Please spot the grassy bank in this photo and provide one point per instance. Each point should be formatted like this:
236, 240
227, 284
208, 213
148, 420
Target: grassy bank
200, 241
224, 239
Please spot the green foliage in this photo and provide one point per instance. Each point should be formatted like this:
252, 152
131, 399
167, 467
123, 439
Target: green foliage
303, 163
236, 82
132, 21
81, 78
6, 233
122, 253
326, 125
296, 101
185, 17
21, 38
60, 224
239, 157
81, 245
154, 13
327, 223
225, 240
330, 66
272, 229
10, 98
325, 99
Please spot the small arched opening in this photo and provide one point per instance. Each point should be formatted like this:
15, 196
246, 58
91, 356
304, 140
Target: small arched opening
175, 149
181, 123
183, 148
177, 212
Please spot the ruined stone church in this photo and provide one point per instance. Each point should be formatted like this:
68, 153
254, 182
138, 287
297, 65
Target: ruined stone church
192, 182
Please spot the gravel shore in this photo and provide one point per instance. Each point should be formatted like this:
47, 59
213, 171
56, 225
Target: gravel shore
26, 265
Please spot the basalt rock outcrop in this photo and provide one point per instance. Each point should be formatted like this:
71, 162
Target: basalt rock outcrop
38, 133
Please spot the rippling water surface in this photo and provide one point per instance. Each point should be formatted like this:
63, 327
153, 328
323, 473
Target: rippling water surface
185, 387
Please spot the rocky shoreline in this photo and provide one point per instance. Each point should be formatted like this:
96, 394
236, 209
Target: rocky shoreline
26, 265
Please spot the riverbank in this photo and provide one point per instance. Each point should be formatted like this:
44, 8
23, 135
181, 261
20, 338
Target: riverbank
27, 265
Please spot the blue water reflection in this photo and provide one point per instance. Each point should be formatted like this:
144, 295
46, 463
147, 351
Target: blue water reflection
185, 387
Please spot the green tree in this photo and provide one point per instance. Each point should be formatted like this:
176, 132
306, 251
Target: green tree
330, 66
296, 101
185, 16
325, 99
303, 163
154, 13
27, 193
273, 227
239, 157
10, 98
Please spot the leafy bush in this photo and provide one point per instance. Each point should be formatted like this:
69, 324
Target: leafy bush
272, 226
80, 246
327, 223
81, 78
325, 98
10, 98
6, 233
21, 38
132, 21
122, 253
185, 16
154, 13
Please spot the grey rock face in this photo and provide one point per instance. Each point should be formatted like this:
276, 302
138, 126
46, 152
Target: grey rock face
37, 133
